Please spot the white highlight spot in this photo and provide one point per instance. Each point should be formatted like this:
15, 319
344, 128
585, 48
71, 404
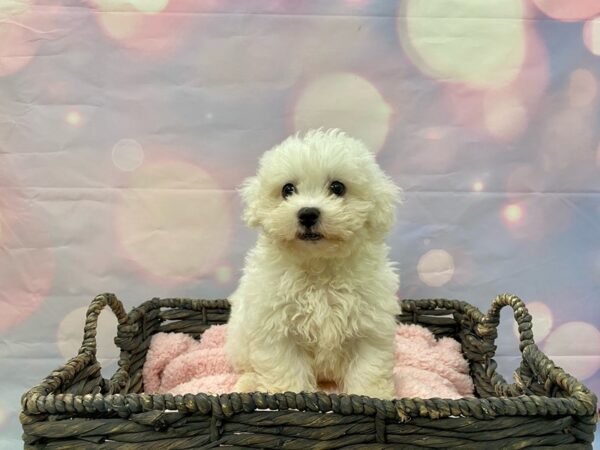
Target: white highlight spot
575, 346
73, 118
174, 220
127, 155
346, 101
436, 267
472, 42
591, 35
478, 186
542, 320
513, 213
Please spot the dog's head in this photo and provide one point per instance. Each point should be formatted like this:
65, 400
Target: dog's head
320, 192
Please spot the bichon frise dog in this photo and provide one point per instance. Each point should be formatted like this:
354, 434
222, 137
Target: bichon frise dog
316, 302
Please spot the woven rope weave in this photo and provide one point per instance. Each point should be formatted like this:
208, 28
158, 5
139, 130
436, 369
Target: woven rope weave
74, 407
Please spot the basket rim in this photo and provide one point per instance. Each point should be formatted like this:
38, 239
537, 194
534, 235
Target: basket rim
226, 405
580, 401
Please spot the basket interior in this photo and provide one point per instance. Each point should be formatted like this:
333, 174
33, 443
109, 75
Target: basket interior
172, 316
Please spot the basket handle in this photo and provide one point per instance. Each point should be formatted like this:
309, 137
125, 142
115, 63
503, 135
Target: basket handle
490, 321
89, 344
487, 328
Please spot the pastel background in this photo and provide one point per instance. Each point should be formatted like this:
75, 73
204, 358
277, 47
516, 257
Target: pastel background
126, 125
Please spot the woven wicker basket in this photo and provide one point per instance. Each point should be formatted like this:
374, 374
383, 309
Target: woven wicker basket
75, 408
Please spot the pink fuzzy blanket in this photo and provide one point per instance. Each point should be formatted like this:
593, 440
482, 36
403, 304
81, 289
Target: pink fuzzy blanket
425, 368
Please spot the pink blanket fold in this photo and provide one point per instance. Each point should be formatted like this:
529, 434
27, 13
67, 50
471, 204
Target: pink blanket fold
425, 367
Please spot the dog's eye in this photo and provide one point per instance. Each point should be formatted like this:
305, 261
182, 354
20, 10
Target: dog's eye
337, 188
287, 190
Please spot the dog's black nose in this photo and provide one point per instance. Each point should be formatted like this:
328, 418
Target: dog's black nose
308, 216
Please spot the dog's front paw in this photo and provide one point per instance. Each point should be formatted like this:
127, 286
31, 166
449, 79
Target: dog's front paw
247, 382
382, 389
381, 392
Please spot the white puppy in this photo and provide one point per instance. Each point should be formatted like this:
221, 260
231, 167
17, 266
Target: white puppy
316, 303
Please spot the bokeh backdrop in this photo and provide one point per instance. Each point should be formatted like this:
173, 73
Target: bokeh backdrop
126, 126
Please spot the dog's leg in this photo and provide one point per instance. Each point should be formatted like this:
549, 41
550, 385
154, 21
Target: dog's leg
370, 372
279, 366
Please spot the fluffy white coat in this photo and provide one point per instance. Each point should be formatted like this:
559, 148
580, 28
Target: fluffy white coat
317, 312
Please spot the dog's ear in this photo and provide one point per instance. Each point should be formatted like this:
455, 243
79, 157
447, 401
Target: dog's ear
386, 196
250, 195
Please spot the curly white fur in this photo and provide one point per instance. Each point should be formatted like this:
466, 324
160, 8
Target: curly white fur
312, 312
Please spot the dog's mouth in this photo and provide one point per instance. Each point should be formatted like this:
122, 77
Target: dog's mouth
310, 236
